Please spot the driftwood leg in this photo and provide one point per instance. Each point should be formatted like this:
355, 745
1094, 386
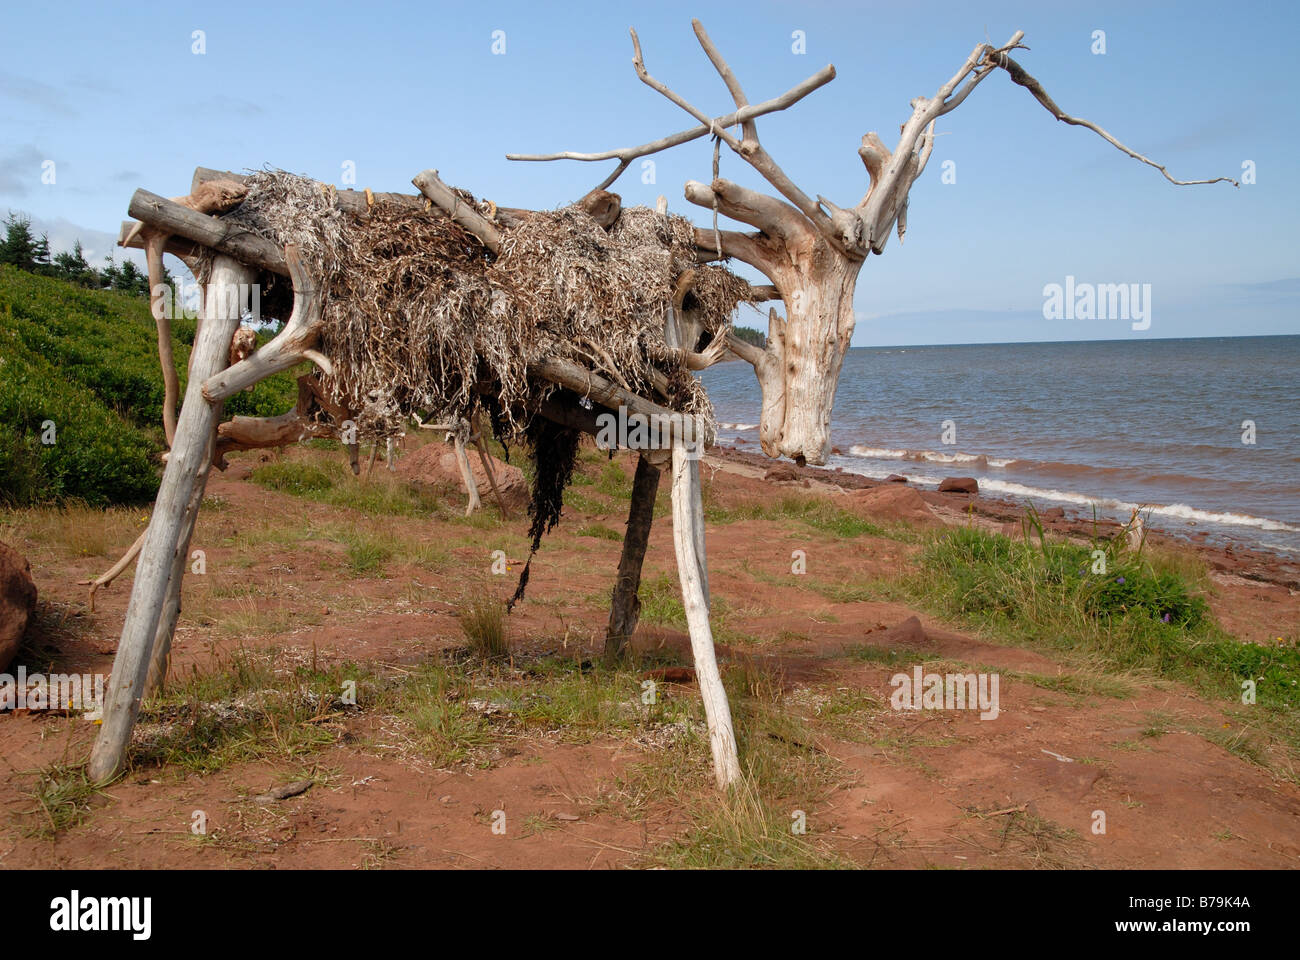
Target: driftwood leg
153, 250
625, 605
162, 640
486, 460
466, 475
688, 535
187, 467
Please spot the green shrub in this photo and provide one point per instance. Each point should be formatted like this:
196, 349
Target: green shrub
292, 477
95, 457
88, 361
1136, 615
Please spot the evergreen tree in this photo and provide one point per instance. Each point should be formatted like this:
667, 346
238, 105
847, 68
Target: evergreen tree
20, 248
23, 249
72, 266
109, 274
41, 256
131, 279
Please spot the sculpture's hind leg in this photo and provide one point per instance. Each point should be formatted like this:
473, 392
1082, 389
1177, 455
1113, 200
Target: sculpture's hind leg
688, 538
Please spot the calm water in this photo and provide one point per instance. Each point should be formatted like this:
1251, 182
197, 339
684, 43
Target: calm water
1119, 424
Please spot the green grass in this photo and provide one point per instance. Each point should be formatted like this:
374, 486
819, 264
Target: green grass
744, 831
784, 771
1146, 616
614, 481
324, 477
87, 360
661, 603
321, 474
367, 553
600, 531
459, 707
581, 700
585, 503
1077, 684
63, 795
866, 653
483, 621
817, 513
247, 709
1139, 615
434, 701
1240, 742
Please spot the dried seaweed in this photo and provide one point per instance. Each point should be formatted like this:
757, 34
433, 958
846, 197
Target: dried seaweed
419, 317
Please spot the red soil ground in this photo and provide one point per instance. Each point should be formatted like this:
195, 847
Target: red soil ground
924, 789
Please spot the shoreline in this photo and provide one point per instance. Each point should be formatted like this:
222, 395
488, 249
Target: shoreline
1222, 560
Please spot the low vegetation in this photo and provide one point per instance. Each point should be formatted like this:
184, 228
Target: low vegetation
81, 393
1140, 614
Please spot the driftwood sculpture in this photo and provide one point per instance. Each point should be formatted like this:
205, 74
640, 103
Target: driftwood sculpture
543, 320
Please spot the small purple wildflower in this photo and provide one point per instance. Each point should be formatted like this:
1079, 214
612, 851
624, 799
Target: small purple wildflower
1165, 618
1119, 579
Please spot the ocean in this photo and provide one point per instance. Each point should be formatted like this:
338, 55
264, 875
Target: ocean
1112, 425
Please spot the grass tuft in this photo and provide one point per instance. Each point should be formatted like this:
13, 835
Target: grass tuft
483, 622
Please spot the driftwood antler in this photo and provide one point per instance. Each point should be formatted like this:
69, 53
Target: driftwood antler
813, 249
745, 114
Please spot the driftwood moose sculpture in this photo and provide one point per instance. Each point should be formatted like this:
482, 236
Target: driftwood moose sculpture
550, 322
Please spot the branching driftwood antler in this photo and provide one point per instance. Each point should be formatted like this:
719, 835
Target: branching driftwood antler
812, 250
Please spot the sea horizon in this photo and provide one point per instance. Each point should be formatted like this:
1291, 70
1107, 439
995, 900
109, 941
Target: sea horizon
1198, 432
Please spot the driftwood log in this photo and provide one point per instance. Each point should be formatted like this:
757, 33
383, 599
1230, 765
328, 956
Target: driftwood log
625, 604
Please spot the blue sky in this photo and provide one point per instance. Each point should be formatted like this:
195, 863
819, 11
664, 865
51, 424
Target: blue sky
117, 98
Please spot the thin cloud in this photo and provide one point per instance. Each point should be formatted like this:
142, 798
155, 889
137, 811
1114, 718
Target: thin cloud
20, 170
224, 105
35, 93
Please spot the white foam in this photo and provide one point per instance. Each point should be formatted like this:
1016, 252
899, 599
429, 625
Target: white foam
738, 426
1183, 512
1178, 511
932, 457
928, 456
882, 474
877, 454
